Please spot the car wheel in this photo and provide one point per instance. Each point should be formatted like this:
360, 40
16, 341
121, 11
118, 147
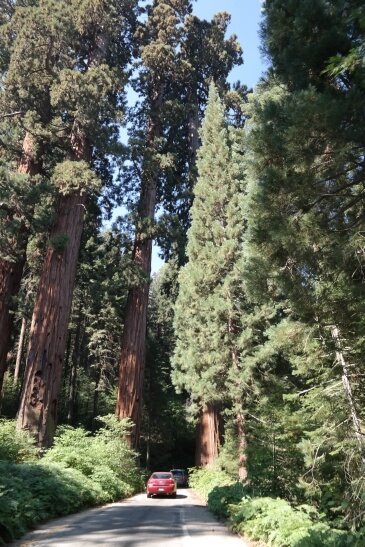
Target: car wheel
174, 495
149, 495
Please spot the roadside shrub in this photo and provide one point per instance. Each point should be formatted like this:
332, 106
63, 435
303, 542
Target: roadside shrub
81, 470
112, 486
33, 492
15, 445
204, 479
221, 497
105, 457
281, 525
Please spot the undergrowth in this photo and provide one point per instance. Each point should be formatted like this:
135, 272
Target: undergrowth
271, 520
81, 470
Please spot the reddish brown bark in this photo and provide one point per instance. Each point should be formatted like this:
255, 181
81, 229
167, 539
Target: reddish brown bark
11, 271
48, 331
131, 369
207, 436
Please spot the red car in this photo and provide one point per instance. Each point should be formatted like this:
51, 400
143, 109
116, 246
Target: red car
161, 483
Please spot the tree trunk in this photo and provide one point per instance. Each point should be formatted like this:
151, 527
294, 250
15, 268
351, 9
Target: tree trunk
11, 272
131, 369
48, 331
207, 436
19, 353
348, 391
73, 374
242, 458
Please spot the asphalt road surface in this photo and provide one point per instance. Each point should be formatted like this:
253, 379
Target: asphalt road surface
138, 522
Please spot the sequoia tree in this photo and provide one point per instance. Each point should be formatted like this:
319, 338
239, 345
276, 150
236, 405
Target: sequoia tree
86, 92
173, 85
24, 118
160, 37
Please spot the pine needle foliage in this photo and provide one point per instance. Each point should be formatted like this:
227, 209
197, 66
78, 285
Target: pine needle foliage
208, 307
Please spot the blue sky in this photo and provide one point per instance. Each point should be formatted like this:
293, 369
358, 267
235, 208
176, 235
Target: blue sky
245, 19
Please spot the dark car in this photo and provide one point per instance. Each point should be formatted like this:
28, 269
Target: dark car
181, 477
161, 483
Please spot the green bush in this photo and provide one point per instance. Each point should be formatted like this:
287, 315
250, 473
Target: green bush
279, 524
270, 520
205, 479
105, 457
81, 470
15, 445
33, 492
221, 497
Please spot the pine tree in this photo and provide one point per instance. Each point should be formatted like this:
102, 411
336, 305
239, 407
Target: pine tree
208, 311
305, 220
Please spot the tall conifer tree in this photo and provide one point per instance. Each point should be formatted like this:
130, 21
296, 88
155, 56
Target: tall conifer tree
208, 315
86, 92
306, 216
22, 144
164, 142
160, 38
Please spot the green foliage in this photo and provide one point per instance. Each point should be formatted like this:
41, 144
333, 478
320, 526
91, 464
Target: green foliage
59, 243
211, 301
279, 524
305, 150
271, 520
15, 445
10, 396
80, 471
104, 457
221, 497
70, 176
33, 492
205, 479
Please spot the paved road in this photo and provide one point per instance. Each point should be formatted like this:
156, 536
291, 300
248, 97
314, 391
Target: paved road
138, 522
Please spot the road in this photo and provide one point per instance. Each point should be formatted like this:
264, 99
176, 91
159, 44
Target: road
138, 522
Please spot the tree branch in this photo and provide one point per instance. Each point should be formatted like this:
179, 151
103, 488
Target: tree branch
11, 114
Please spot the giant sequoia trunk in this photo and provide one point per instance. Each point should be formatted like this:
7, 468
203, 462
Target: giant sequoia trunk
11, 272
131, 369
48, 331
208, 435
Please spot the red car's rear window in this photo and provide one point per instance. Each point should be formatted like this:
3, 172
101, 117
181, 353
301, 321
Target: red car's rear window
161, 476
